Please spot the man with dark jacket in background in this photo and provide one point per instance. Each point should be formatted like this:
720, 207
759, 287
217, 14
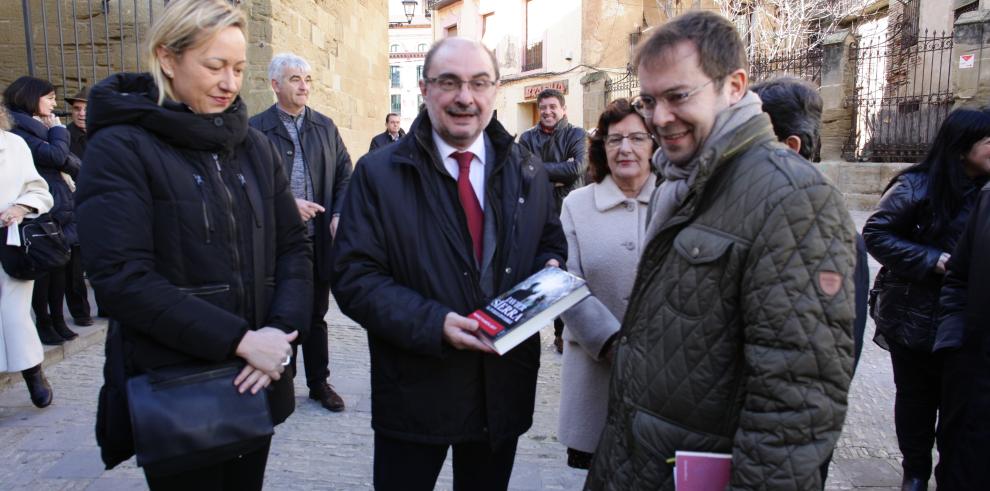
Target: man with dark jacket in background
76, 293
391, 134
319, 168
795, 110
433, 228
738, 334
562, 147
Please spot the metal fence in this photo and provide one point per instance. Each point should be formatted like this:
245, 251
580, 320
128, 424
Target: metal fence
621, 85
902, 95
73, 43
805, 64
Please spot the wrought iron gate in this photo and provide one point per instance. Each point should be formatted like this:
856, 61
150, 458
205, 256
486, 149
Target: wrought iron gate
902, 94
73, 43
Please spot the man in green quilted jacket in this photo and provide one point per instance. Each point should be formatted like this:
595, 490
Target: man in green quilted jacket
738, 334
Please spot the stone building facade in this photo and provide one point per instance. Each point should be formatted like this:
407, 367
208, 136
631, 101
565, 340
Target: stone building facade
344, 41
408, 41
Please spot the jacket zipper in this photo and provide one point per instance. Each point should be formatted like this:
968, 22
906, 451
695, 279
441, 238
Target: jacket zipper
206, 215
234, 236
254, 213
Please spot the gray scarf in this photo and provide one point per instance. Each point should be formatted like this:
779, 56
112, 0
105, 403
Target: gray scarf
678, 179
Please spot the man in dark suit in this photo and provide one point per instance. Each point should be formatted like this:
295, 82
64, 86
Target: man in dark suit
319, 168
391, 134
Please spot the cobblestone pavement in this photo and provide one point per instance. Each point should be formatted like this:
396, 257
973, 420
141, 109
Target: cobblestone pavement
54, 448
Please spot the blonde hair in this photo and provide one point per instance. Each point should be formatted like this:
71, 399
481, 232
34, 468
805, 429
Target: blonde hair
185, 24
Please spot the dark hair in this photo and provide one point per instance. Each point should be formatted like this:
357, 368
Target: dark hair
614, 112
944, 165
22, 95
795, 108
389, 115
548, 93
720, 51
439, 44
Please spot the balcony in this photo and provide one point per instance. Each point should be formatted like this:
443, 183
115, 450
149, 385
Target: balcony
533, 59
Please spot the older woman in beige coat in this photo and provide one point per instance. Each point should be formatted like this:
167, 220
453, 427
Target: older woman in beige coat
605, 225
22, 193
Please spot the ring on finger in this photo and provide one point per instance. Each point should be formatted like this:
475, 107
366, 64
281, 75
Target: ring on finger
287, 360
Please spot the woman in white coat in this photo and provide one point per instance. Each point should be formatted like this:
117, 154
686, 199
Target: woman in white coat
605, 224
22, 193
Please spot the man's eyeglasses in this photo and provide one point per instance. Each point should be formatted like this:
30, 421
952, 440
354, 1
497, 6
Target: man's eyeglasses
638, 139
451, 84
645, 104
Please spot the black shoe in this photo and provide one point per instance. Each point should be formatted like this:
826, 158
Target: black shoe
83, 321
48, 335
914, 484
63, 330
38, 386
327, 397
558, 343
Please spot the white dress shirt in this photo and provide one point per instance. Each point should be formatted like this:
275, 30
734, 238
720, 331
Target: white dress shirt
477, 176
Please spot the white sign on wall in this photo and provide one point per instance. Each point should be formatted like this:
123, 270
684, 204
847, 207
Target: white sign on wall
967, 61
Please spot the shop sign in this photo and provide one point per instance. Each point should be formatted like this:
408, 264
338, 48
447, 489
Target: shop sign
531, 91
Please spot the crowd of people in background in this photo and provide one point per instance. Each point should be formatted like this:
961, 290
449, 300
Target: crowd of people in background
729, 287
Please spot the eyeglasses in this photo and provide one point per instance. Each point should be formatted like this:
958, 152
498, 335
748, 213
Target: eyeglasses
645, 104
638, 139
451, 84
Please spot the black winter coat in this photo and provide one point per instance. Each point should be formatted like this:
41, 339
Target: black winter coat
403, 261
50, 150
329, 167
190, 234
563, 153
899, 236
963, 339
383, 139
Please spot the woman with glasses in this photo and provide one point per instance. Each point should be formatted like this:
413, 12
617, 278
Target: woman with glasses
605, 224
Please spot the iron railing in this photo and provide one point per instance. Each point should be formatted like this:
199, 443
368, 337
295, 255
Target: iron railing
74, 43
804, 64
618, 86
902, 95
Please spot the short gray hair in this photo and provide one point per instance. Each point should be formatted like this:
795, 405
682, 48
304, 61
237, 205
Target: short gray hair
282, 61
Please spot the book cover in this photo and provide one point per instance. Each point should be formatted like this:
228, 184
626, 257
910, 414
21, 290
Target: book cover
517, 314
702, 471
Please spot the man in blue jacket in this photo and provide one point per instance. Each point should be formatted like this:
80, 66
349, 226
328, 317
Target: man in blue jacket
433, 227
318, 167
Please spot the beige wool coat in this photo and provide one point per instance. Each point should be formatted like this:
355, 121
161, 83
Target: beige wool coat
20, 347
605, 232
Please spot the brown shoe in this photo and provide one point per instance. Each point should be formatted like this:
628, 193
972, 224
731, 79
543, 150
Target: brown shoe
327, 397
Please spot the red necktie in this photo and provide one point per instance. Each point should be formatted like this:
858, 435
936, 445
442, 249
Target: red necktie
469, 201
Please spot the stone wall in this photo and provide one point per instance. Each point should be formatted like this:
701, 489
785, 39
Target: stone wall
861, 183
346, 43
344, 40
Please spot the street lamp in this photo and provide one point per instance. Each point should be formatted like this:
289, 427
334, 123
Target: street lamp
409, 8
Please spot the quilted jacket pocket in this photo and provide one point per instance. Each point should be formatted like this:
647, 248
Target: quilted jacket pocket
702, 262
699, 246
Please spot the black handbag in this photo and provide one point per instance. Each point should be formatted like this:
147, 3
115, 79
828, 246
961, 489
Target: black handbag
43, 248
190, 417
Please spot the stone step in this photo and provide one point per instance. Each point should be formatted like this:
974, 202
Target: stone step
88, 336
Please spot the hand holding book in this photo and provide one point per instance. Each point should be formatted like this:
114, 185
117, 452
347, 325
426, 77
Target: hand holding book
462, 333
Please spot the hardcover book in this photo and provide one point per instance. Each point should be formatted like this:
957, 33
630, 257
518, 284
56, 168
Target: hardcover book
517, 314
701, 471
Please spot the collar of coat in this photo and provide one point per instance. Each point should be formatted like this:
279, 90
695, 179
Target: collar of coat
25, 122
270, 120
561, 126
132, 99
608, 195
422, 141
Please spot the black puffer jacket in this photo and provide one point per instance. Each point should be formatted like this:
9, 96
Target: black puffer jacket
403, 262
563, 153
189, 230
50, 150
899, 236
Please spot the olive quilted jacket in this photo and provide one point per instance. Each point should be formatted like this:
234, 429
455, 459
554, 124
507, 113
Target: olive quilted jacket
738, 336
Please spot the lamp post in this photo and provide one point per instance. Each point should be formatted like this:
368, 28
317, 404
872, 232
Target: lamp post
409, 8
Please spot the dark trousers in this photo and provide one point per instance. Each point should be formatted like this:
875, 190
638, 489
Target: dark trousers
401, 465
49, 292
246, 473
76, 295
316, 352
917, 378
963, 428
